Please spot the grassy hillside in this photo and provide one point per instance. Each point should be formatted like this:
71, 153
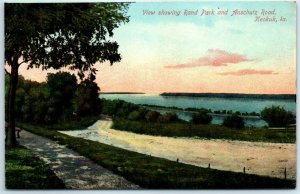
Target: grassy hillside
154, 173
23, 170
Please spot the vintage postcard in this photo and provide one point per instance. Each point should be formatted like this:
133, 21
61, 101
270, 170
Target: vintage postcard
150, 95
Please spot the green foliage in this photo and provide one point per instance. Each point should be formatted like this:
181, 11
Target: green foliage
56, 35
25, 171
62, 87
154, 173
126, 110
71, 34
136, 115
78, 124
118, 108
234, 121
209, 131
33, 102
87, 101
152, 116
277, 116
201, 117
56, 100
168, 117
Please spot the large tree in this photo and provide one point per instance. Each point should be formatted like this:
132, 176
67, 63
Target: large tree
73, 35
87, 98
62, 88
277, 116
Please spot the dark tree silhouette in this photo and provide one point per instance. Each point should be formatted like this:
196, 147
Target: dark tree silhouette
277, 116
87, 100
59, 35
234, 121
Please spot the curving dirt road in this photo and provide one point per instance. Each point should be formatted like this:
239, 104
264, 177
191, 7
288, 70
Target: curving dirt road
268, 159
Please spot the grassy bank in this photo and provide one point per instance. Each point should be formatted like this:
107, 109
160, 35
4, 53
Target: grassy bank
80, 123
209, 131
23, 170
153, 172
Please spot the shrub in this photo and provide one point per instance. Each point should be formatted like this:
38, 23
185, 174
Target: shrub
201, 117
277, 116
118, 108
152, 115
136, 115
167, 117
229, 112
234, 121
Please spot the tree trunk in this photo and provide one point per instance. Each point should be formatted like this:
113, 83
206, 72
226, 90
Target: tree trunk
11, 135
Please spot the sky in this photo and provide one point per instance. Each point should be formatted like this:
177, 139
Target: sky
202, 53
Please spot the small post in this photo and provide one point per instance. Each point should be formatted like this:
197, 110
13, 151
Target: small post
244, 170
209, 165
177, 160
285, 173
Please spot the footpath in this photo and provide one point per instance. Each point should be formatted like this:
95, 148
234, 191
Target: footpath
76, 171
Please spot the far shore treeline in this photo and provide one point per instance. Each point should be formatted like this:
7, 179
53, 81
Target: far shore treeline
236, 95
220, 95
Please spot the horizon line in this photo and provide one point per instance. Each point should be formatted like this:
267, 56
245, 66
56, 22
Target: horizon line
126, 92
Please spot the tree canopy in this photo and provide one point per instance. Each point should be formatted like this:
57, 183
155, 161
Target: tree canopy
59, 99
56, 35
234, 121
277, 116
201, 117
63, 34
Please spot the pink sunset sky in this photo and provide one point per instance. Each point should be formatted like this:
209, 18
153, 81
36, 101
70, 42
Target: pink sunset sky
217, 54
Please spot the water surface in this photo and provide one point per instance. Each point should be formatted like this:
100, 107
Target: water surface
235, 104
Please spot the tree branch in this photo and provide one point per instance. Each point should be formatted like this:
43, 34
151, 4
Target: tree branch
23, 62
6, 71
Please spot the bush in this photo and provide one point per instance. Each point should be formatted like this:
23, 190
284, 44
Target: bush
277, 116
201, 117
118, 108
167, 117
234, 121
135, 115
152, 115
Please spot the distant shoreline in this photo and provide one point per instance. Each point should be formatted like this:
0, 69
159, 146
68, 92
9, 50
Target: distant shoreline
220, 95
121, 93
235, 95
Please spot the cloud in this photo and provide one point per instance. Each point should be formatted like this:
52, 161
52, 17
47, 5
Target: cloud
249, 72
214, 58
